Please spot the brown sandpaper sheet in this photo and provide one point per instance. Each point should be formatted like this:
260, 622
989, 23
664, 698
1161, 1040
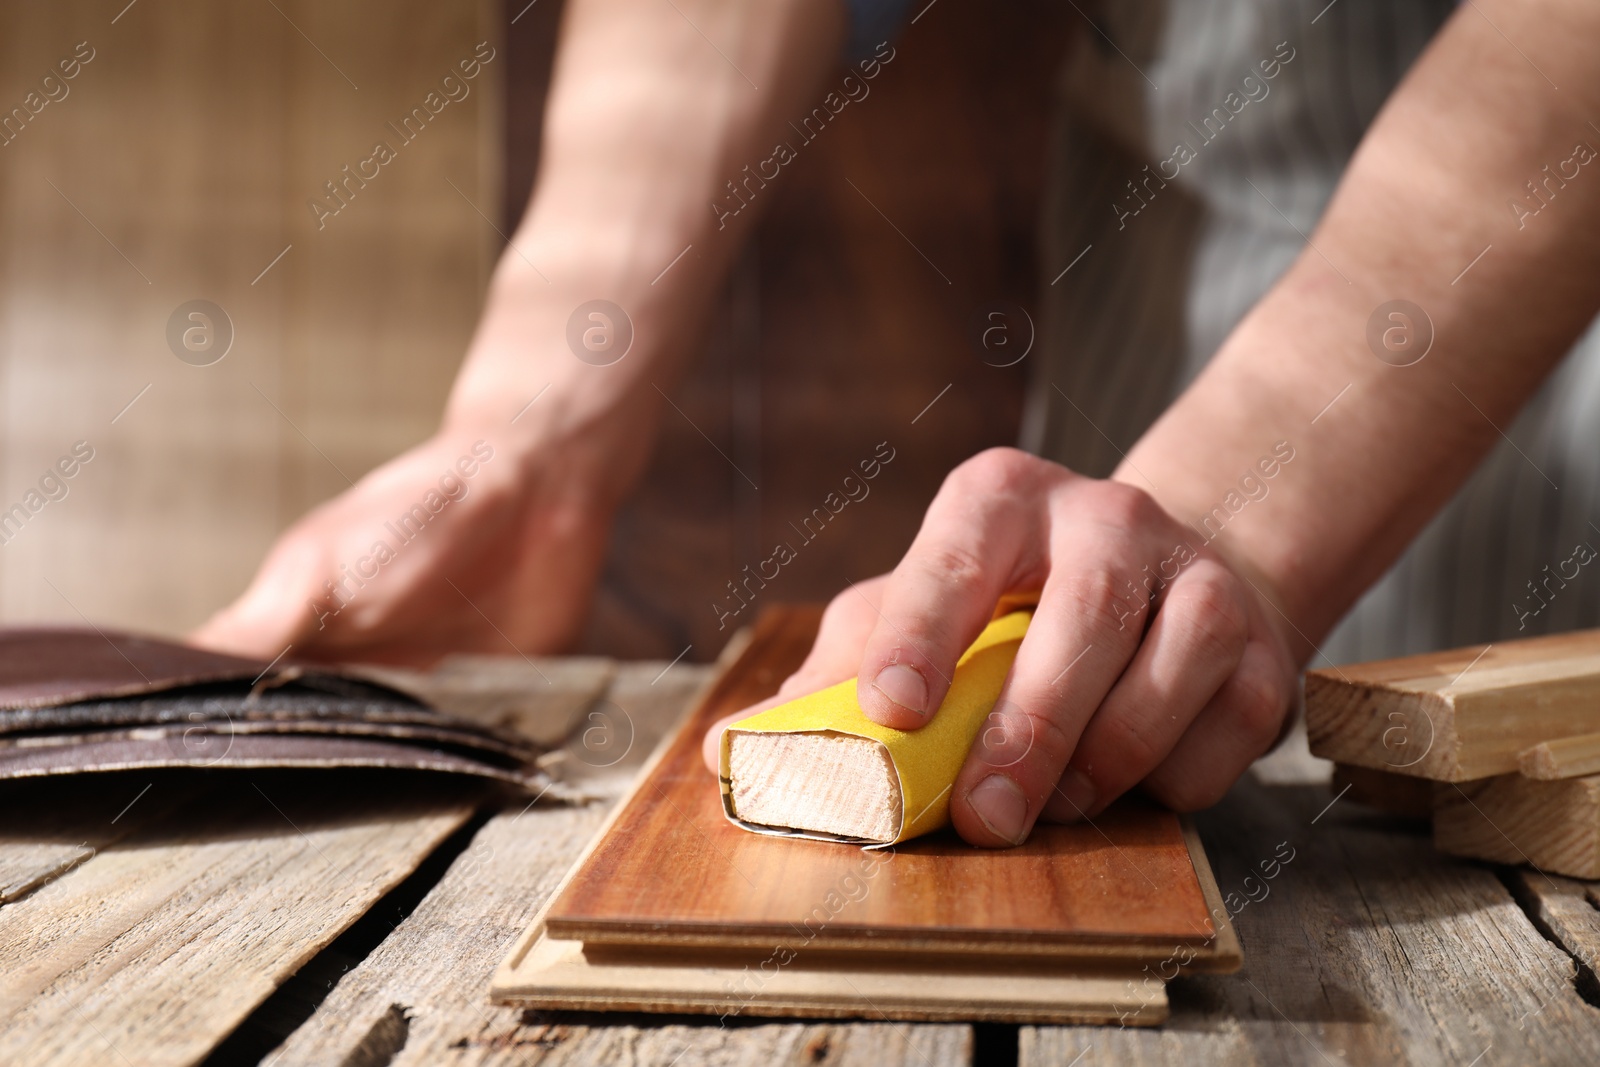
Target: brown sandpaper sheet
85, 700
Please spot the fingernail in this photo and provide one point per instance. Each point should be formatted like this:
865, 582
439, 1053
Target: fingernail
998, 803
1079, 791
904, 686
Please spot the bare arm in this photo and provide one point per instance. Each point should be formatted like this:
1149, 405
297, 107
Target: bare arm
1165, 654
654, 106
1429, 190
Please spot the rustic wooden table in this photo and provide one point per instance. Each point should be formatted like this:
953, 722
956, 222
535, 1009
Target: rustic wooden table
305, 919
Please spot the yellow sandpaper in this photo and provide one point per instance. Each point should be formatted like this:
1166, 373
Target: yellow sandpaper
925, 760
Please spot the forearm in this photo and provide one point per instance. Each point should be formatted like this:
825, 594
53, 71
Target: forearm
1429, 189
647, 122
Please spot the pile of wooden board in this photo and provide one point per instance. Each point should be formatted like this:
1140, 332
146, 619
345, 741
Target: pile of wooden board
1498, 744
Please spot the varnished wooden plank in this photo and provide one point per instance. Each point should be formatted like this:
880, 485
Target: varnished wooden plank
1555, 826
1366, 947
1457, 715
674, 870
153, 949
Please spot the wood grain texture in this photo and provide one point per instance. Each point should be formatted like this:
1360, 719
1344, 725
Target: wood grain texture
418, 999
1367, 947
1555, 826
1568, 912
1457, 715
223, 121
1567, 757
153, 949
49, 827
673, 870
788, 980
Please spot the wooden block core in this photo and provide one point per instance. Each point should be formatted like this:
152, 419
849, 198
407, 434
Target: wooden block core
819, 782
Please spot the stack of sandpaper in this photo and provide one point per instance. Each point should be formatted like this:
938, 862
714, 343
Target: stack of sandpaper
75, 700
1498, 744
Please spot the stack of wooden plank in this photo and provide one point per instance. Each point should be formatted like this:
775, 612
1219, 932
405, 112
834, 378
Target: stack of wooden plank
1498, 744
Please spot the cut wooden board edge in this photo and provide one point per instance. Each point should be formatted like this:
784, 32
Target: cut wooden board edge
730, 655
555, 975
1550, 826
1458, 715
563, 980
1374, 726
1565, 757
1225, 954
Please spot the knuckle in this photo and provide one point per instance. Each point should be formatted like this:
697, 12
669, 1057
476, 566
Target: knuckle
1255, 707
996, 471
954, 567
1119, 504
845, 606
1048, 747
1215, 616
1129, 746
1100, 598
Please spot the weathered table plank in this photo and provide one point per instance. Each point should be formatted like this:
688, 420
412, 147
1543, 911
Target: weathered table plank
420, 997
1568, 911
145, 924
156, 947
49, 826
1367, 947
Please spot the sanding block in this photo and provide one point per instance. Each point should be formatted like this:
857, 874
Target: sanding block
818, 767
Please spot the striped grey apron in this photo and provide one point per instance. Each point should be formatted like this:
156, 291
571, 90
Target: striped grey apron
1151, 261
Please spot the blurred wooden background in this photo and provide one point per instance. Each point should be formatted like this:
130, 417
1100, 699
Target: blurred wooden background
179, 165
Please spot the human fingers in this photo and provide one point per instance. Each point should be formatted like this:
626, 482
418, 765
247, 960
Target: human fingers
271, 614
1237, 726
846, 622
977, 541
1087, 627
1193, 646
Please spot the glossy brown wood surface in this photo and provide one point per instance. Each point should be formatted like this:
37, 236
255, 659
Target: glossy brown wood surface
672, 868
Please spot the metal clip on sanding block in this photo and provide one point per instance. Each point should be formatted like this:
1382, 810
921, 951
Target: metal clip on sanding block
817, 767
